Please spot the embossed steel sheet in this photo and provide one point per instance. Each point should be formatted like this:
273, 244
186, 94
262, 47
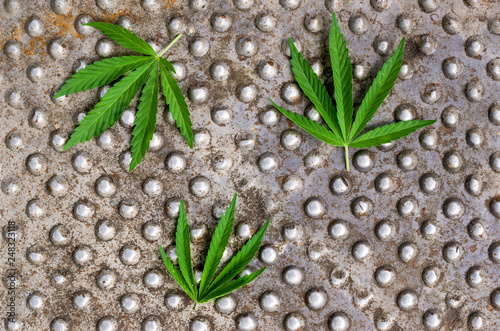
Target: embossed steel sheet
408, 239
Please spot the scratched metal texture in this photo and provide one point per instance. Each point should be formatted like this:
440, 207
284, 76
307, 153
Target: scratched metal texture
408, 239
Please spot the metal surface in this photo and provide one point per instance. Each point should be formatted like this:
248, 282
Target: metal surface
409, 239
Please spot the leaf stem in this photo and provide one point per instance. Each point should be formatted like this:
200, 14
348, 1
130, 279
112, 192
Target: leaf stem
170, 45
196, 306
346, 157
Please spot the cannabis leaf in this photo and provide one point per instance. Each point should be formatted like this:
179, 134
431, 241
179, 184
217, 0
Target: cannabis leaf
139, 71
341, 130
212, 287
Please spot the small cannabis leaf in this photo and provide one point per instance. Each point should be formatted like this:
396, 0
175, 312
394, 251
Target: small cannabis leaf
212, 287
341, 130
138, 71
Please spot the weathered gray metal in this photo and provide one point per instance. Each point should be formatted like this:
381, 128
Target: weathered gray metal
409, 239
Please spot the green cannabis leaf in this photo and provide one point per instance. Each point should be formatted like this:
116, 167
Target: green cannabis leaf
341, 130
212, 287
139, 71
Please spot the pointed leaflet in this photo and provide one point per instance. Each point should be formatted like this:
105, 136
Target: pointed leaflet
388, 133
176, 274
107, 111
379, 90
314, 89
217, 246
100, 73
342, 78
176, 102
124, 37
183, 248
239, 262
313, 128
145, 119
167, 65
233, 286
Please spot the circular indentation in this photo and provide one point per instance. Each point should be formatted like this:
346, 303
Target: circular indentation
495, 206
175, 300
360, 71
406, 71
380, 5
363, 160
494, 24
452, 252
199, 186
474, 47
36, 164
291, 231
226, 304
385, 275
58, 49
198, 47
474, 276
495, 298
385, 229
450, 116
405, 23
292, 183
316, 299
104, 47
291, 139
81, 299
221, 22
314, 159
38, 118
265, 22
268, 70
106, 279
198, 94
404, 112
244, 230
293, 275
362, 207
267, 162
11, 185
291, 93
200, 323
454, 299
172, 207
80, 27
246, 321
475, 137
151, 323
313, 24
58, 324
36, 254
105, 186
12, 49
359, 24
128, 117
474, 185
11, 6
431, 93
152, 186
474, 90
290, 4
407, 300
381, 46
426, 44
57, 186
407, 251
361, 250
294, 321
452, 67
82, 162
14, 140
175, 162
222, 115
432, 319
430, 229
105, 230
104, 140
407, 160
246, 47
429, 139
452, 161
338, 277
268, 254
220, 71
340, 185
61, 7
35, 301
493, 69
453, 208
35, 209
245, 140
451, 23
82, 255
429, 183
314, 207
107, 323
243, 4
494, 252
476, 321
60, 235
130, 254
247, 92
494, 114
34, 26
152, 230
428, 6
269, 301
128, 208
153, 278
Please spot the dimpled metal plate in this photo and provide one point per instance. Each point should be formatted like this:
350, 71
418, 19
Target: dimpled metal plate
409, 239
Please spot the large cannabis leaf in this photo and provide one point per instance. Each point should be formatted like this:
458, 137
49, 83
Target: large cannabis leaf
138, 71
341, 130
212, 287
